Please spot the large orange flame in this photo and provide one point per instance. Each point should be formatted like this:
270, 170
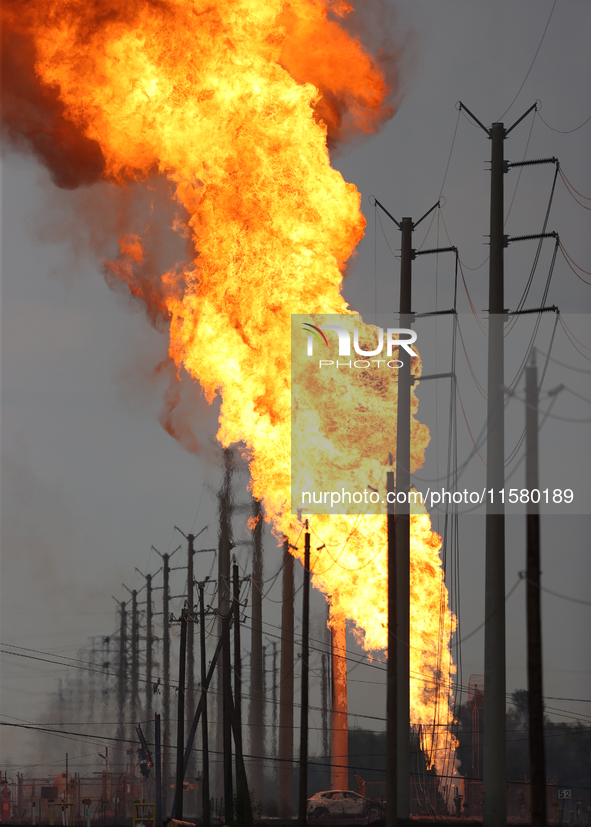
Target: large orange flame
234, 102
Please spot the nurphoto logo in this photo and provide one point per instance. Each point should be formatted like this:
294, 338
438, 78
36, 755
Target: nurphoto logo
391, 339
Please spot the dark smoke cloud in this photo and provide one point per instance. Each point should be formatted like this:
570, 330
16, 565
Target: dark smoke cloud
33, 119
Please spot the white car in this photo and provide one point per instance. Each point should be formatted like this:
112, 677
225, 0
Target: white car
343, 805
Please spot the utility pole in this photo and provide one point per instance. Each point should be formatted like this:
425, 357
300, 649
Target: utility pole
242, 791
324, 695
122, 671
149, 644
190, 630
166, 668
537, 758
204, 730
224, 609
166, 673
339, 769
495, 762
285, 781
398, 693
158, 768
227, 721
237, 658
134, 656
256, 712
190, 640
303, 794
391, 678
180, 731
274, 702
134, 653
402, 533
324, 681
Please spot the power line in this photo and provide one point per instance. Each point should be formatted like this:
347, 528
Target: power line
566, 597
564, 364
563, 131
532, 63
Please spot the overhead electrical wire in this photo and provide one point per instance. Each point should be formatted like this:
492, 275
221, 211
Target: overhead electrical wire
474, 442
566, 597
532, 63
531, 128
530, 279
568, 335
563, 131
481, 390
114, 672
564, 364
578, 395
572, 187
572, 264
459, 262
453, 142
555, 416
574, 192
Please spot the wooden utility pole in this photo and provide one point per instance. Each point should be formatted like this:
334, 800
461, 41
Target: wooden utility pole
537, 758
303, 793
285, 781
256, 711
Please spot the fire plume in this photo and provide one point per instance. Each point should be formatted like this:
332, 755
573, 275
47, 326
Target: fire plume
236, 103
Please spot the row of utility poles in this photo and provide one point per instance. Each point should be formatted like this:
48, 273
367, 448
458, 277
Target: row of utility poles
398, 719
228, 613
217, 677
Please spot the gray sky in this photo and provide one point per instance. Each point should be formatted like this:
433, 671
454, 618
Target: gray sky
90, 480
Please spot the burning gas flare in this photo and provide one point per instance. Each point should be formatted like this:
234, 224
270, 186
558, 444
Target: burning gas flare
236, 103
